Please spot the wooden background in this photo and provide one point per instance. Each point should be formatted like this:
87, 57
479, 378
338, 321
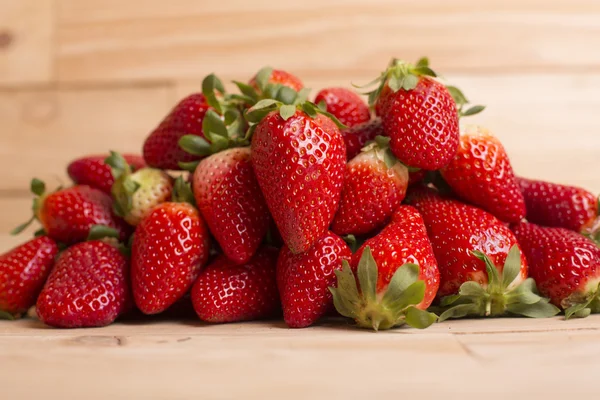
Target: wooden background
85, 76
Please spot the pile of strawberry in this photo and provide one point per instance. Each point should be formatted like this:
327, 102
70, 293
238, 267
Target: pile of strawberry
282, 206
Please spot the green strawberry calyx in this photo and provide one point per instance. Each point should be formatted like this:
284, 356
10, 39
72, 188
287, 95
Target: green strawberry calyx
124, 186
500, 297
182, 192
396, 306
461, 103
263, 89
582, 304
38, 188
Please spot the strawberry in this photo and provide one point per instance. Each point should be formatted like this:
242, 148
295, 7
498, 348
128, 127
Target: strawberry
88, 286
226, 292
94, 172
269, 76
68, 215
231, 202
416, 177
565, 265
560, 206
358, 136
137, 193
397, 277
482, 270
170, 246
298, 156
303, 279
348, 107
23, 271
374, 186
481, 174
418, 113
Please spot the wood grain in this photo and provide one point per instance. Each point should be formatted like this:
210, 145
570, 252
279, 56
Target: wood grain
26, 41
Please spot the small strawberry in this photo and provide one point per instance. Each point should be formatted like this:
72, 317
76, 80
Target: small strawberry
348, 107
304, 279
374, 186
270, 77
226, 292
481, 174
298, 156
137, 193
482, 270
565, 265
94, 172
68, 215
561, 206
170, 246
397, 275
23, 271
231, 202
358, 136
88, 287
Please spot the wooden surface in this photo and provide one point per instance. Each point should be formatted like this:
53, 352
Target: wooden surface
85, 76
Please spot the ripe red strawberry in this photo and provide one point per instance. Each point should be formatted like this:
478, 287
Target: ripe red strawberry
169, 248
374, 186
418, 113
231, 202
304, 279
137, 193
358, 136
560, 206
88, 286
68, 215
23, 271
299, 163
226, 292
416, 177
565, 265
481, 174
348, 107
94, 172
272, 76
397, 275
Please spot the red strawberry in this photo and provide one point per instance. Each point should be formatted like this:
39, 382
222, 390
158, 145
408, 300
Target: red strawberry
169, 248
358, 136
231, 202
561, 206
89, 286
348, 107
481, 174
304, 279
374, 186
397, 275
68, 215
94, 172
23, 271
418, 113
272, 76
416, 177
565, 265
299, 164
226, 292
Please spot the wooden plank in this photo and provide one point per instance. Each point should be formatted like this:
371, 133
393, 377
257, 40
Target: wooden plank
42, 130
26, 41
113, 40
168, 360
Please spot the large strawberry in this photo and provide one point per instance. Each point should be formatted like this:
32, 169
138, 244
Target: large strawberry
298, 156
358, 136
226, 292
374, 186
418, 113
88, 286
304, 279
170, 246
561, 206
137, 193
348, 107
68, 215
482, 270
94, 172
481, 174
565, 265
231, 202
23, 271
397, 275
